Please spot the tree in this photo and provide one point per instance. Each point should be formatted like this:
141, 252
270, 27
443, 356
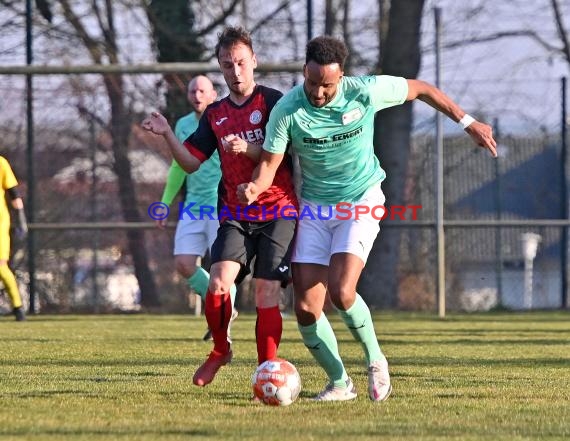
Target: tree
538, 35
101, 45
334, 8
401, 57
177, 37
173, 33
561, 30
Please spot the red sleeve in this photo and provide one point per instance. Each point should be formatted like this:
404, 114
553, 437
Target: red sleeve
196, 152
203, 142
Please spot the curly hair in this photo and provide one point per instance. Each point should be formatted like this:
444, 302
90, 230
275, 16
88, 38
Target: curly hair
326, 50
233, 35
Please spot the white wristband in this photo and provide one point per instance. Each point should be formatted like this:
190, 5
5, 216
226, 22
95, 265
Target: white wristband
466, 121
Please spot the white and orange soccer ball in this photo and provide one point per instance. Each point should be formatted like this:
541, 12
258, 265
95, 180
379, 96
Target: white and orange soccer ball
276, 382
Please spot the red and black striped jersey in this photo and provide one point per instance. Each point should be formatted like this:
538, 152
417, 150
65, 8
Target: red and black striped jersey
247, 121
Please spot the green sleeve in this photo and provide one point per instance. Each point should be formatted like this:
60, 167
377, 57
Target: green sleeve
174, 181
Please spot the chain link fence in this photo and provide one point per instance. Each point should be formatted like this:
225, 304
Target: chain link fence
84, 161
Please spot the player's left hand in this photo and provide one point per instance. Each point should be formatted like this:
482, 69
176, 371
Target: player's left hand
156, 123
234, 144
247, 193
482, 134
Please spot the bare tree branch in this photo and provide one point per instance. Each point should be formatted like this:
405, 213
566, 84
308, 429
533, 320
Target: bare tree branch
90, 43
347, 35
110, 34
330, 18
97, 12
44, 8
292, 35
561, 31
505, 34
220, 20
107, 29
84, 111
269, 16
383, 24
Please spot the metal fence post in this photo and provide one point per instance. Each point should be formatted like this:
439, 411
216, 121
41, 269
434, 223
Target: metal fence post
440, 233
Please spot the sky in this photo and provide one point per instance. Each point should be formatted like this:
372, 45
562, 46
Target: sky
514, 79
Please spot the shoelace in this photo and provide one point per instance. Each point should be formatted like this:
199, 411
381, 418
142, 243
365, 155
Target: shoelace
377, 380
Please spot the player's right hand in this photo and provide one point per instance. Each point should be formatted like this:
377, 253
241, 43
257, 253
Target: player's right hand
247, 193
482, 135
156, 123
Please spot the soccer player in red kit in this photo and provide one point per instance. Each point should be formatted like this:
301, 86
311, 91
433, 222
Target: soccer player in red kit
235, 126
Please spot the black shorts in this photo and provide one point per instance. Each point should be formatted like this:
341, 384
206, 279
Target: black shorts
270, 242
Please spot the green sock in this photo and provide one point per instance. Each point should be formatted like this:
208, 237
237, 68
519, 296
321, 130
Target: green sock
319, 338
359, 321
200, 280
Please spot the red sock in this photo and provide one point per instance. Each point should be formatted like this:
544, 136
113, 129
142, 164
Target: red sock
268, 329
218, 312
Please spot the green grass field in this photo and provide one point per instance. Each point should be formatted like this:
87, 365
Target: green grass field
468, 377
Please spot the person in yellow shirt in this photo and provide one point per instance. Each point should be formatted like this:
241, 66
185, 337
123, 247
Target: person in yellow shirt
9, 184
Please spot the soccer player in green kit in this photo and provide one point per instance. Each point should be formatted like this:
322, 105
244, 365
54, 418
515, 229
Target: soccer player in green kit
329, 122
195, 234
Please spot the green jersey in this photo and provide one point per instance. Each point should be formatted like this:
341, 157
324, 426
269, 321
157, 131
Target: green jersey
202, 185
334, 143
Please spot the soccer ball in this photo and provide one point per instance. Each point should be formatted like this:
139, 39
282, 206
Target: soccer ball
276, 382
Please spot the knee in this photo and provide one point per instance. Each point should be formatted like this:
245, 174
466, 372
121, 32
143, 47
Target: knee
305, 316
218, 285
185, 268
267, 293
309, 304
342, 296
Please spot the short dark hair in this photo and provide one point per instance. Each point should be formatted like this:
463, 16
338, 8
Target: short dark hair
233, 35
326, 50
